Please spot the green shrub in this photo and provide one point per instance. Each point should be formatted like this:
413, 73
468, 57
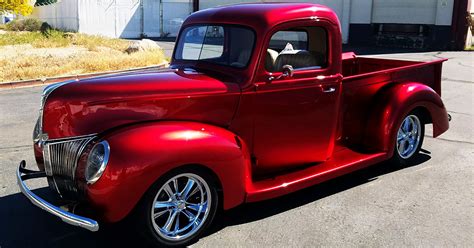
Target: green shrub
29, 24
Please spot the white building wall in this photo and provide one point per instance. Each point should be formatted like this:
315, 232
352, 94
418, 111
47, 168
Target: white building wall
62, 15
151, 15
431, 12
112, 18
134, 18
444, 12
341, 7
174, 14
361, 11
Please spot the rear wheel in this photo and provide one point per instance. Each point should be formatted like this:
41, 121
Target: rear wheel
179, 207
409, 138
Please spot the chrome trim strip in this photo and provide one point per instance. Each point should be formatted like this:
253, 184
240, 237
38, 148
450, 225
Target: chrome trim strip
58, 140
65, 216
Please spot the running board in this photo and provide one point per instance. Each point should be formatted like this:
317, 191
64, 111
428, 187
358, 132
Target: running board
344, 161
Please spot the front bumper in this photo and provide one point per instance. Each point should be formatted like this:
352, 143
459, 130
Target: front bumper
24, 174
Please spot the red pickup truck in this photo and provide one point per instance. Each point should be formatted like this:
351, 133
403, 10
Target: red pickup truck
258, 102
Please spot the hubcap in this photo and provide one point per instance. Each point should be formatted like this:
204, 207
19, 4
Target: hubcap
181, 207
408, 137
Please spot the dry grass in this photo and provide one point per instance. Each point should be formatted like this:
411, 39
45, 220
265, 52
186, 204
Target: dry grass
60, 54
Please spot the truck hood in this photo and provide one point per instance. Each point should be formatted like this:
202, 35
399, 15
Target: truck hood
95, 105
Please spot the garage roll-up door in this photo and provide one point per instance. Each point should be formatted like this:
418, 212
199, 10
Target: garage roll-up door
404, 11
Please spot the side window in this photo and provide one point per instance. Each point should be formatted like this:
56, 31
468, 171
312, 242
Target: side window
304, 47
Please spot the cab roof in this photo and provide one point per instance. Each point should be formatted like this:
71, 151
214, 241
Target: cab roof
261, 16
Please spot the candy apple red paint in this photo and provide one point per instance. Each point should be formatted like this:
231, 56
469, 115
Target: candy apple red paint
259, 101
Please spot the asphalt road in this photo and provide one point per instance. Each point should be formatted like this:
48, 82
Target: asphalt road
428, 204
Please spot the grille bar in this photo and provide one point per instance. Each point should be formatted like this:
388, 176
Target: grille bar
61, 157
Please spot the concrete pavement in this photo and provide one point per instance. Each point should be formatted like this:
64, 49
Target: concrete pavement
428, 204
167, 47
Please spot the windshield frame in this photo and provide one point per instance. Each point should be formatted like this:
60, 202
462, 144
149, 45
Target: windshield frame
184, 27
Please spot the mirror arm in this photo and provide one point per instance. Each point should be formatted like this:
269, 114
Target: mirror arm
271, 78
287, 72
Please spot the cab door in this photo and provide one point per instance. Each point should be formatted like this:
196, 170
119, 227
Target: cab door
295, 116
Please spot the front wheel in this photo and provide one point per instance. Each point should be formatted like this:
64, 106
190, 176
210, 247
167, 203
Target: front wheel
409, 139
178, 207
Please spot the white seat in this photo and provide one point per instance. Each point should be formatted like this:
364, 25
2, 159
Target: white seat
295, 58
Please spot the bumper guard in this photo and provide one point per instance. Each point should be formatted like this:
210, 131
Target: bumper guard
24, 174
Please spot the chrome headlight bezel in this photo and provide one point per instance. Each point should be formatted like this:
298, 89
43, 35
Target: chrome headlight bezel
97, 160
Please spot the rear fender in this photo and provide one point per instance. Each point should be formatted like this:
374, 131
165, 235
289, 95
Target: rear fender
142, 153
392, 104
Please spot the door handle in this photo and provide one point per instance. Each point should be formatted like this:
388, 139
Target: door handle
329, 90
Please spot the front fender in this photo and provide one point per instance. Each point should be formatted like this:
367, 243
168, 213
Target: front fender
141, 153
392, 104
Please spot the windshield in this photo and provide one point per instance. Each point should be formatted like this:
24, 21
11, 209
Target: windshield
226, 45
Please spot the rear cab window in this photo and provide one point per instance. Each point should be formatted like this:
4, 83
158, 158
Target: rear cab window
302, 48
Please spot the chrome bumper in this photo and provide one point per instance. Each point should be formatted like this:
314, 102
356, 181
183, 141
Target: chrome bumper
24, 174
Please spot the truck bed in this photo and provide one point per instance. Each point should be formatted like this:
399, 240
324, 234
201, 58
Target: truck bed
363, 79
364, 70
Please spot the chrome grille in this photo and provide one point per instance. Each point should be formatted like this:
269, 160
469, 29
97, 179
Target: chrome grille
60, 160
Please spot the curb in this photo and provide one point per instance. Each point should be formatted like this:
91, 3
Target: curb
50, 80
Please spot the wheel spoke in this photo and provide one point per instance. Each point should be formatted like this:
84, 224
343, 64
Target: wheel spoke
406, 125
400, 135
170, 221
195, 190
196, 223
175, 184
187, 188
176, 225
160, 204
168, 191
189, 215
401, 147
413, 125
157, 215
197, 207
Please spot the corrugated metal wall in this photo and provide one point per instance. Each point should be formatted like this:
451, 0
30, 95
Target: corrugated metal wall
62, 15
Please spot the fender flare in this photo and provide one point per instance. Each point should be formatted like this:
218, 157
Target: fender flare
394, 102
142, 153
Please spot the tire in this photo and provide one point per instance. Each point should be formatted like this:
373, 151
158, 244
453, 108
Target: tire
409, 139
170, 217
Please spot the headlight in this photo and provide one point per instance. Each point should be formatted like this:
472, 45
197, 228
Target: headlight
97, 161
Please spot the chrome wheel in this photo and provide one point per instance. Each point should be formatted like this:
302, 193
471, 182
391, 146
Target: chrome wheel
181, 207
408, 137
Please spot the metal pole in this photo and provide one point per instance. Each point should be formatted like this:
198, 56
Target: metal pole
142, 19
195, 5
161, 19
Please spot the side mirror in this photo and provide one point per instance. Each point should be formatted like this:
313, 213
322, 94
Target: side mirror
287, 72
